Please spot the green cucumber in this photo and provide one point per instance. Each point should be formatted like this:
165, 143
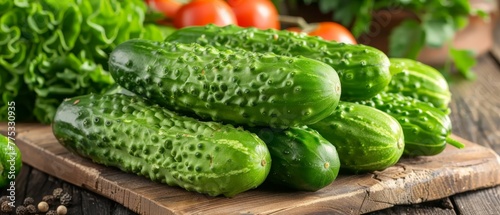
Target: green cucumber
143, 138
420, 81
241, 88
117, 89
366, 139
301, 158
10, 161
363, 70
426, 128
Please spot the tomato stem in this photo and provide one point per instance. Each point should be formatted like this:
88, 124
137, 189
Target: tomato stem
294, 20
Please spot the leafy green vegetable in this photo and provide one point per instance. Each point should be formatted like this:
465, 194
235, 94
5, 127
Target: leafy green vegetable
464, 61
438, 31
408, 30
436, 24
52, 49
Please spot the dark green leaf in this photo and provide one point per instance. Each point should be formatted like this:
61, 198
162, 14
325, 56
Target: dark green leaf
362, 22
483, 14
327, 6
406, 40
438, 31
22, 3
346, 13
309, 1
461, 7
460, 22
45, 109
5, 5
68, 30
464, 61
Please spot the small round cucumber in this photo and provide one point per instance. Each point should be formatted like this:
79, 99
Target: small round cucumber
302, 158
366, 139
419, 81
426, 128
10, 161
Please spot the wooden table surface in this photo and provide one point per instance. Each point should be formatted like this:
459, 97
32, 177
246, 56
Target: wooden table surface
475, 116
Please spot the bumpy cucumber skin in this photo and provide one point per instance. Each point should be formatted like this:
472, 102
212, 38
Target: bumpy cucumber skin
301, 158
243, 88
117, 89
425, 127
366, 139
420, 81
8, 152
135, 136
363, 70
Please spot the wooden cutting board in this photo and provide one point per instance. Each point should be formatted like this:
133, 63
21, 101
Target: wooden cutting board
408, 182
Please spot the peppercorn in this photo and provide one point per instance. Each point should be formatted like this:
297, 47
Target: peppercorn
31, 209
49, 199
65, 199
5, 207
43, 207
28, 201
21, 210
57, 193
4, 199
51, 212
61, 210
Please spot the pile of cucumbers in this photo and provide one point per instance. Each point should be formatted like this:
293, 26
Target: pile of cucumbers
221, 110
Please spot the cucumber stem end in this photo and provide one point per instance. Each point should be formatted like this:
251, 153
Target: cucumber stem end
455, 143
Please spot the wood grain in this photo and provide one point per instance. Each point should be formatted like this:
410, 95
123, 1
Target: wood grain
475, 112
476, 116
411, 181
495, 52
441, 207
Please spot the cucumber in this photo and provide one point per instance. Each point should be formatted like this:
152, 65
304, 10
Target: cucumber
142, 138
363, 70
241, 88
301, 158
420, 81
117, 89
366, 139
426, 128
10, 161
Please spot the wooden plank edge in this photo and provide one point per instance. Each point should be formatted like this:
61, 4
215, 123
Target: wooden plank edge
6, 127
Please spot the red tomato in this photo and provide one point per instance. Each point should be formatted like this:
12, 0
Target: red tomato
255, 13
167, 7
328, 31
333, 31
294, 29
202, 12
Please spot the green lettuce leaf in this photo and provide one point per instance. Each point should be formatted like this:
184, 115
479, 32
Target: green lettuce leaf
52, 49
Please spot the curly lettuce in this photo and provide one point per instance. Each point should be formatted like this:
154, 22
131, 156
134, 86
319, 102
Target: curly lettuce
52, 49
